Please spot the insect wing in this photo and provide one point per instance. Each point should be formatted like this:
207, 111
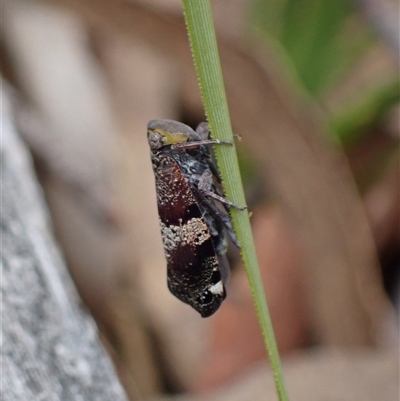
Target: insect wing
192, 265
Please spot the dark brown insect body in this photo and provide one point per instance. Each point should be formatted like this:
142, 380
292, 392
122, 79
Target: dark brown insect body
192, 227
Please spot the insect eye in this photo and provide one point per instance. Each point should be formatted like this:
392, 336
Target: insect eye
156, 141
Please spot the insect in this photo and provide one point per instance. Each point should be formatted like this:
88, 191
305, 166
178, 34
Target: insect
192, 226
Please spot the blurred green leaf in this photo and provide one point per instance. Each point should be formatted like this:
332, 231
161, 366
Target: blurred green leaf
323, 38
366, 112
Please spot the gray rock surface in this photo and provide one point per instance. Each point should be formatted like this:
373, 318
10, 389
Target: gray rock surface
49, 345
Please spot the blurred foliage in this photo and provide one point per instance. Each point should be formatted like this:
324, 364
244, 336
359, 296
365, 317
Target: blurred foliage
366, 113
324, 39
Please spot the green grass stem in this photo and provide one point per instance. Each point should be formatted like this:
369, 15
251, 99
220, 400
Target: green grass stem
203, 42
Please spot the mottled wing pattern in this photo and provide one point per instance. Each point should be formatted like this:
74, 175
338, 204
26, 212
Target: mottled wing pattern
192, 264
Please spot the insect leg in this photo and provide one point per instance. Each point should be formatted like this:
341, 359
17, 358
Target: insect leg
196, 144
205, 187
203, 130
225, 220
213, 210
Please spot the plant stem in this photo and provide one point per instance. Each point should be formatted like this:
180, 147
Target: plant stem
203, 42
